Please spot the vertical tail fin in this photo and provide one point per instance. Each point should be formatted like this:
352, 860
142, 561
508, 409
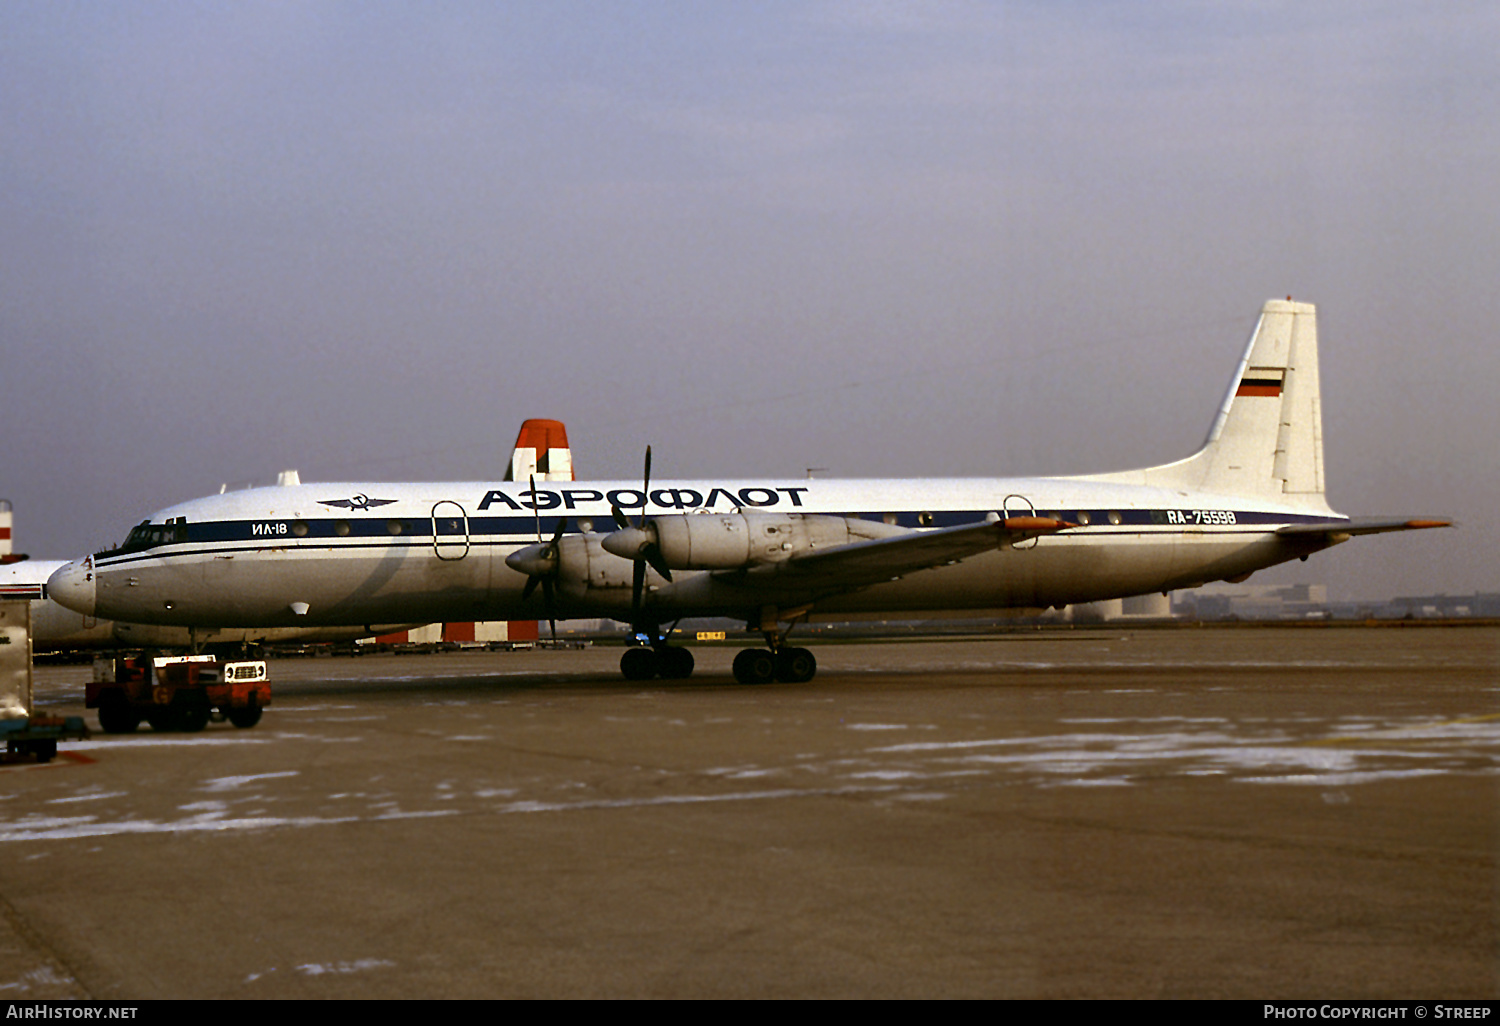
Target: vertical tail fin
1267, 440
541, 450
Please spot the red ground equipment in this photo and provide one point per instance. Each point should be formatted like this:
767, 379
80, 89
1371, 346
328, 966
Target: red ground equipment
176, 692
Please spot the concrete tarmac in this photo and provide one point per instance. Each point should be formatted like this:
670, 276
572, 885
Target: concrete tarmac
1253, 813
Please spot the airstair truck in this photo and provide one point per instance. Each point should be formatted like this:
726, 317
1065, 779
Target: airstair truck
24, 732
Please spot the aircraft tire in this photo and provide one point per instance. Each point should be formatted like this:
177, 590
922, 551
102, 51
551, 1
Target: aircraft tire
795, 665
675, 663
639, 664
755, 666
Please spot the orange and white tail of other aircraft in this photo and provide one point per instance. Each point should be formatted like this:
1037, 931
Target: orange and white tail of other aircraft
768, 552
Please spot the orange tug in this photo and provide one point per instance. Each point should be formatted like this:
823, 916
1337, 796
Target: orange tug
176, 692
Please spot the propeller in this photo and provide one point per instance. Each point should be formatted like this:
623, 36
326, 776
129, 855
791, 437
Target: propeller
540, 563
621, 520
638, 543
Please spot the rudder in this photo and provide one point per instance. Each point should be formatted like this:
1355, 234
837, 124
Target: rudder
1267, 440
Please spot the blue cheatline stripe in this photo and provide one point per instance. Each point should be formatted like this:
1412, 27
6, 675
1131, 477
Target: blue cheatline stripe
416, 532
288, 531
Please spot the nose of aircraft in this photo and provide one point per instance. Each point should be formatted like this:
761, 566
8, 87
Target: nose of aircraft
72, 585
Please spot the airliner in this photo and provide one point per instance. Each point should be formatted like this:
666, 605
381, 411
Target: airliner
52, 625
56, 628
541, 451
771, 553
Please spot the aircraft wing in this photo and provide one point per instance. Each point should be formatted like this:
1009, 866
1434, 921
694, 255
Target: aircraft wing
860, 564
1364, 525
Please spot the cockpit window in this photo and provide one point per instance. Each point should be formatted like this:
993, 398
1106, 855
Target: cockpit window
147, 535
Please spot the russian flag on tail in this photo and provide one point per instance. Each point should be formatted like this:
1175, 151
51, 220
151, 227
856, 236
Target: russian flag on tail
1262, 381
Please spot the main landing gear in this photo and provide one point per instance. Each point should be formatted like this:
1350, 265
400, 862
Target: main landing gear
665, 661
777, 662
669, 662
763, 665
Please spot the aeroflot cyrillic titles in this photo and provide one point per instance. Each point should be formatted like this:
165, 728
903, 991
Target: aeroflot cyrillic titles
712, 497
772, 553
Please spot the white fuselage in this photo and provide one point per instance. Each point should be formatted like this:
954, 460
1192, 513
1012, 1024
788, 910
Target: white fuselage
57, 628
359, 553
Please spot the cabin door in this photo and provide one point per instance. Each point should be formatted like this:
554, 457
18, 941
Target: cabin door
450, 530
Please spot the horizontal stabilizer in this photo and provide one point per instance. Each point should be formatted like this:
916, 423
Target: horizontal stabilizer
1366, 525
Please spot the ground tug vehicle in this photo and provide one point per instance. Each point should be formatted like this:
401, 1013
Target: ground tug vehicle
176, 693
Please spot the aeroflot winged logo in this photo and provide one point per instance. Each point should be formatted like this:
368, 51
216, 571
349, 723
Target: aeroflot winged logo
357, 502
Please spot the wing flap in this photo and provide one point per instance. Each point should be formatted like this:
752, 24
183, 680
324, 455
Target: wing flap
871, 562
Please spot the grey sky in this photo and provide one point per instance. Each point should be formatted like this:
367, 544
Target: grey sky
889, 239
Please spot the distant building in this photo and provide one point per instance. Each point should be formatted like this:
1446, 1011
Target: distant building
1310, 602
1479, 604
1154, 606
1254, 602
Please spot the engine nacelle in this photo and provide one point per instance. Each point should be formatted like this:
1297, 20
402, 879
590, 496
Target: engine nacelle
734, 541
580, 570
